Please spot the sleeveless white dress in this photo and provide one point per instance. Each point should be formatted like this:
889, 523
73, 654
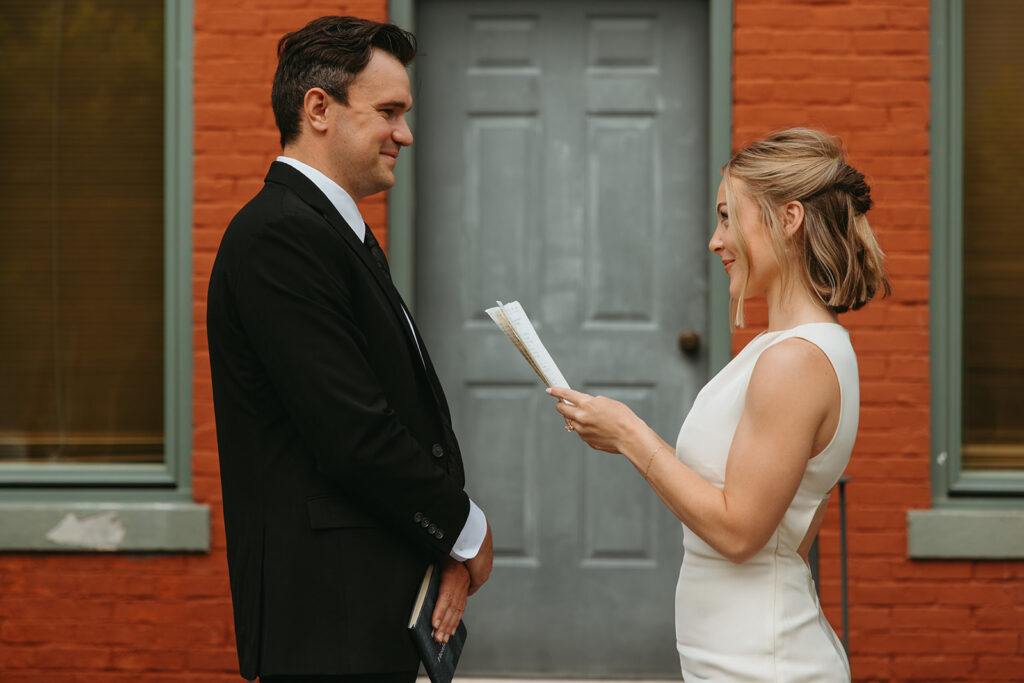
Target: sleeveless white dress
761, 620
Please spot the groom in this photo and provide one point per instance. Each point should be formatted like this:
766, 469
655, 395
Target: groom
341, 476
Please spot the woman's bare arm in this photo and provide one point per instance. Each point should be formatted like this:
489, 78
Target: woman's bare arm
792, 400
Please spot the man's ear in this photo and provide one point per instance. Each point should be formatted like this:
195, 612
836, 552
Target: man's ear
314, 109
793, 215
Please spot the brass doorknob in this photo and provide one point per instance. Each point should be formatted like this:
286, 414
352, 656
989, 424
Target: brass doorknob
689, 341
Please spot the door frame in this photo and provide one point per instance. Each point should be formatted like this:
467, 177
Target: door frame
401, 202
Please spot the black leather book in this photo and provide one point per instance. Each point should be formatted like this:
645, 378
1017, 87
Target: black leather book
439, 659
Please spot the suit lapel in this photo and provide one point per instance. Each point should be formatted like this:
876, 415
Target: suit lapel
311, 194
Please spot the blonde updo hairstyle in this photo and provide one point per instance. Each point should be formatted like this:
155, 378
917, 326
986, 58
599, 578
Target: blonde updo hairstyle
835, 254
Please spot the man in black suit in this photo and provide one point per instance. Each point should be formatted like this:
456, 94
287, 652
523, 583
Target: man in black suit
341, 476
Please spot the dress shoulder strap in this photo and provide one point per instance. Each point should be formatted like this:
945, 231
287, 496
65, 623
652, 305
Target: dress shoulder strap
832, 339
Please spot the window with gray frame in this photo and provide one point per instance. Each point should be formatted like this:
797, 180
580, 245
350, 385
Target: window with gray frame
978, 278
977, 273
95, 349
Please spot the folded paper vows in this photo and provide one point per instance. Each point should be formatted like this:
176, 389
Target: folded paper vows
513, 321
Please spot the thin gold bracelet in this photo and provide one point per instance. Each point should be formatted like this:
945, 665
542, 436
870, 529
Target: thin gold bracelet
647, 470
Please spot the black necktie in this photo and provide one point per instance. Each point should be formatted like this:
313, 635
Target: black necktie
378, 254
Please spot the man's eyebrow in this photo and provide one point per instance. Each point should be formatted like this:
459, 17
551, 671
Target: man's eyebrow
400, 104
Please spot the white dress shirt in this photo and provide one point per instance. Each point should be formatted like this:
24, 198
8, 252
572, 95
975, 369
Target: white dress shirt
467, 545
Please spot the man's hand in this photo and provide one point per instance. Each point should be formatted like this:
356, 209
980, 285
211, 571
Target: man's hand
459, 580
451, 599
480, 566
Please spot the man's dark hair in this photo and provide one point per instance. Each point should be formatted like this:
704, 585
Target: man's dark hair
329, 53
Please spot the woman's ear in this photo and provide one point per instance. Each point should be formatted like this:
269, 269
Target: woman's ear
793, 216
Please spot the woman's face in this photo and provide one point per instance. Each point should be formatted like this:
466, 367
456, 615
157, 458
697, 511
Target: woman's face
759, 268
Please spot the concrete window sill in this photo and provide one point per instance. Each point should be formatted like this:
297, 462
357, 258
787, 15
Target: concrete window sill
965, 534
105, 527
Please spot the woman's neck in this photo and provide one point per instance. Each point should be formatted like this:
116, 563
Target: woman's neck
799, 307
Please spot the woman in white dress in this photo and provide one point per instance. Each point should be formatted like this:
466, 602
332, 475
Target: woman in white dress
768, 437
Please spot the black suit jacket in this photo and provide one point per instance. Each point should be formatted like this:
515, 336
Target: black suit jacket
341, 476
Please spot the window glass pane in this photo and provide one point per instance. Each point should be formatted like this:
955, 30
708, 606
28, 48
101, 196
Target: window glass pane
81, 239
993, 322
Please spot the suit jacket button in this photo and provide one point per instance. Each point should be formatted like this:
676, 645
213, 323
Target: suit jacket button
439, 535
431, 529
437, 451
425, 522
417, 517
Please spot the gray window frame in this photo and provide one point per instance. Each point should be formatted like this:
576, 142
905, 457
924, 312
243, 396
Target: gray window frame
947, 268
152, 503
974, 515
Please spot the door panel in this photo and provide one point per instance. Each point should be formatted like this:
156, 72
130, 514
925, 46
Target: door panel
562, 162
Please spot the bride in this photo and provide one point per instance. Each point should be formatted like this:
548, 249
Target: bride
768, 437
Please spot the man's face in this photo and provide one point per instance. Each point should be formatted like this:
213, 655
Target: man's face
366, 134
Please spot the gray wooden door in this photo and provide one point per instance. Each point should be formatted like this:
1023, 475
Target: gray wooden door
561, 161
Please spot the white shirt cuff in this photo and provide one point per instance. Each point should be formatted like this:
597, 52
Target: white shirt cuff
467, 545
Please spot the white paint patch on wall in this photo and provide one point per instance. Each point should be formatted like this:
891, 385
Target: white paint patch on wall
96, 532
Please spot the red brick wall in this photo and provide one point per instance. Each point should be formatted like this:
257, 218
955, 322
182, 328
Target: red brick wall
858, 68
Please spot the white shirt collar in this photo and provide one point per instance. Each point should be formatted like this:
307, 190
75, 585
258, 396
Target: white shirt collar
341, 200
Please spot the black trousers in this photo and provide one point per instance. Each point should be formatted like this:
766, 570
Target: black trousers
403, 677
